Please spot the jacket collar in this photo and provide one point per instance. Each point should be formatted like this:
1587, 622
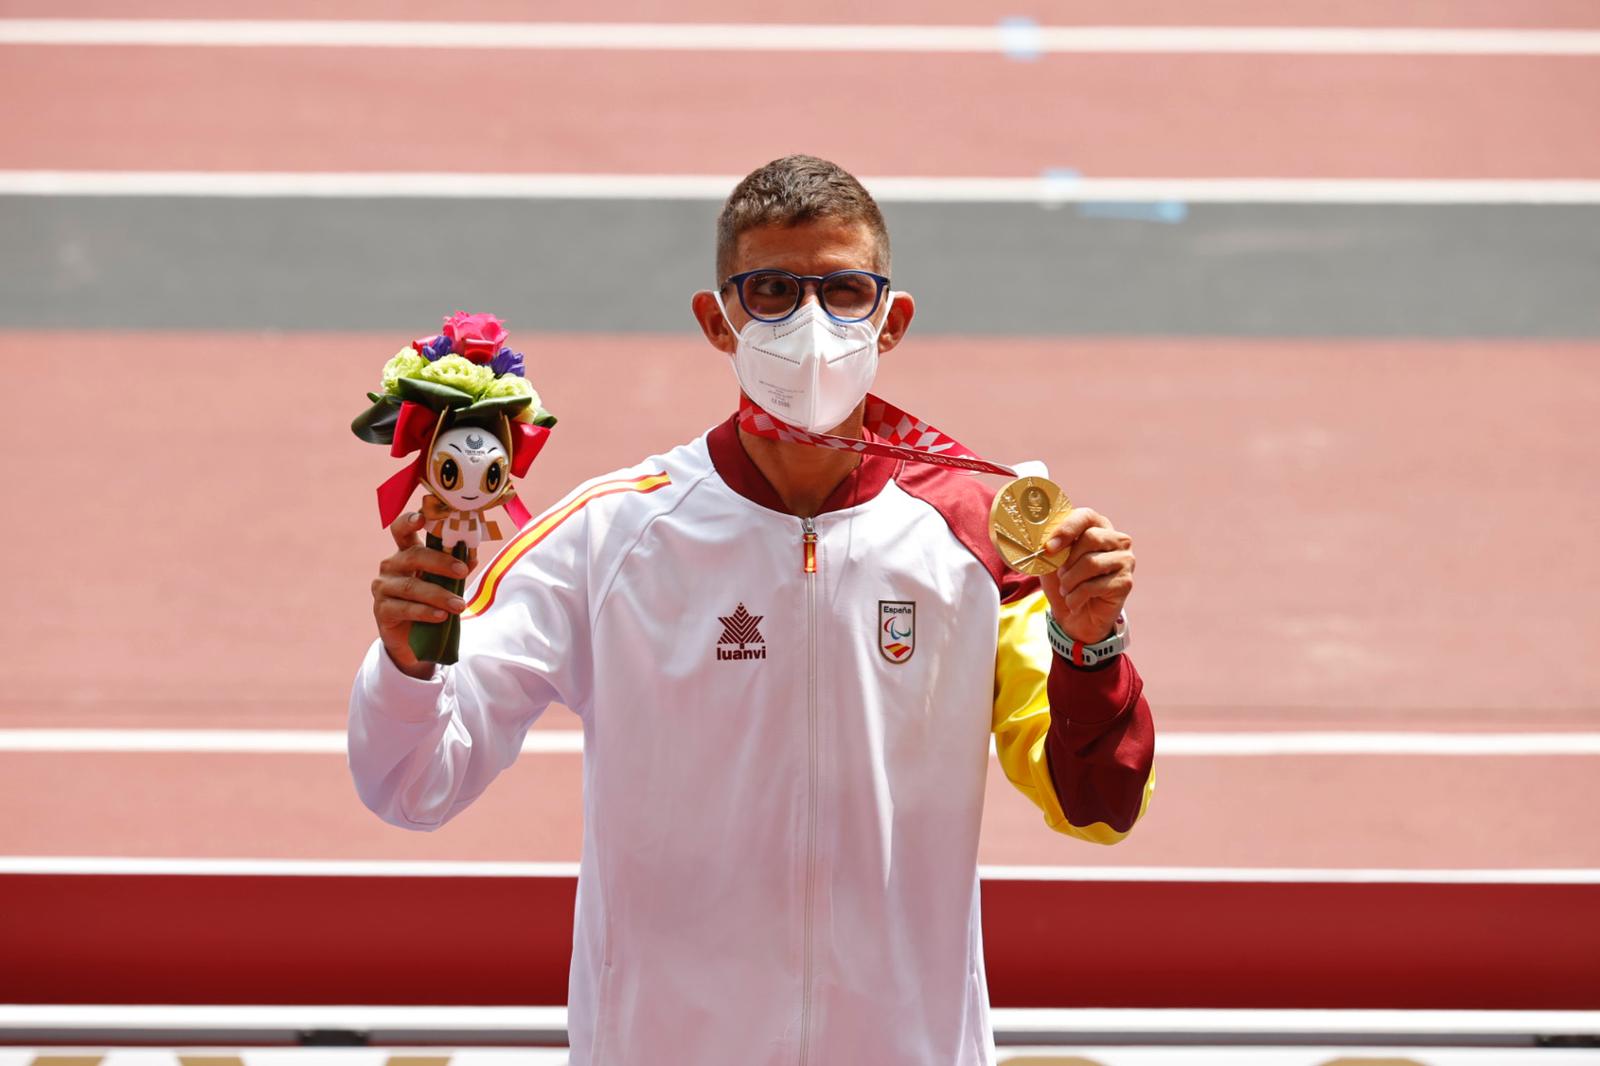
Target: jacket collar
735, 467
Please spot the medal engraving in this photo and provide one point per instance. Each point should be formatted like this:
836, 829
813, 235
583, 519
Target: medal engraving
1024, 515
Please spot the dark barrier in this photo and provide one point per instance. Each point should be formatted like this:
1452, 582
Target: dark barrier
254, 938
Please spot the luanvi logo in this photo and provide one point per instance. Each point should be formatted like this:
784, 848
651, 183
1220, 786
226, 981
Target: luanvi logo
741, 628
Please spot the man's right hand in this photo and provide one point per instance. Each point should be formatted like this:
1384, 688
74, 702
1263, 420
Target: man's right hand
400, 597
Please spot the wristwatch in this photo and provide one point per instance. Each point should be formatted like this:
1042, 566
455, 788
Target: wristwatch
1084, 655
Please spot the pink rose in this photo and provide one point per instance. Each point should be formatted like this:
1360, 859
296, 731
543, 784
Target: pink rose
477, 337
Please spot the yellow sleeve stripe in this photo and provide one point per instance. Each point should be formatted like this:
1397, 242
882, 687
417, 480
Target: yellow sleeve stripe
1022, 705
1022, 716
547, 523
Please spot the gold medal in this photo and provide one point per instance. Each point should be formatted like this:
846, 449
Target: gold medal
1024, 515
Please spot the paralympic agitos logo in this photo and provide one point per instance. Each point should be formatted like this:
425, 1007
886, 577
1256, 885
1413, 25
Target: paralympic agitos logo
741, 628
897, 629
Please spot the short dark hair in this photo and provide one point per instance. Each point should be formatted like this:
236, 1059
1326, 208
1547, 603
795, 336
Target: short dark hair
794, 190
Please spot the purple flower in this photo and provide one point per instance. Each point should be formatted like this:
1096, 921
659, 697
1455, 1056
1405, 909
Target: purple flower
431, 348
508, 362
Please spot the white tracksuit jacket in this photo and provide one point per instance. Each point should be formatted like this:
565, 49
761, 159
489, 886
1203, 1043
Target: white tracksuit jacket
786, 735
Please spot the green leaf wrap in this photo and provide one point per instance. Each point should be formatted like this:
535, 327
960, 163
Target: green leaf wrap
432, 394
376, 424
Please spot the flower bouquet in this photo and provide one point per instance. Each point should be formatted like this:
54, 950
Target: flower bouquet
461, 400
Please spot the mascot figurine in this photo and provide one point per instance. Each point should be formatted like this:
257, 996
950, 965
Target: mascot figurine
468, 474
461, 401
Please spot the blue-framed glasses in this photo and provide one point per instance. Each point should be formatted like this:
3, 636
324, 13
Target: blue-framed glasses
773, 295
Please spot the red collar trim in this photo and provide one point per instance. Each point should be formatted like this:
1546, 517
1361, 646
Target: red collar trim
736, 468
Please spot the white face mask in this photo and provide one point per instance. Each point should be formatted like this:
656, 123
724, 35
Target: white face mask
807, 370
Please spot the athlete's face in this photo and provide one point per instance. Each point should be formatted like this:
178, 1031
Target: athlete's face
809, 248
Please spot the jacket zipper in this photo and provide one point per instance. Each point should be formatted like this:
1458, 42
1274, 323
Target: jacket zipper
808, 559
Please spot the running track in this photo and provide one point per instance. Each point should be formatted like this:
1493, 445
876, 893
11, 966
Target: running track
1317, 516
1399, 529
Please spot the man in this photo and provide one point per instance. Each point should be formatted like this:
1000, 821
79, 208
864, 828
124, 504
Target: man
788, 660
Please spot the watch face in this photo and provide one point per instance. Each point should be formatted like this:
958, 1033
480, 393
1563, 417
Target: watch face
1024, 515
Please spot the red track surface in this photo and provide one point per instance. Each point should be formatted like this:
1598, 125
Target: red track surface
1104, 115
1562, 14
1325, 498
1388, 812
1350, 506
1380, 519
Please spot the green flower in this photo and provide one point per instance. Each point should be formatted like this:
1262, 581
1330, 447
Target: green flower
508, 386
458, 373
405, 364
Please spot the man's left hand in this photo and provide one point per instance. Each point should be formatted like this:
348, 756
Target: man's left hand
1087, 591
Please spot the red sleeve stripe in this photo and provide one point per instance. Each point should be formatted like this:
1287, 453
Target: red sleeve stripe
547, 523
964, 502
1101, 743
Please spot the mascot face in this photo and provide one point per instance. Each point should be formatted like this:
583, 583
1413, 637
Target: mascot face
469, 469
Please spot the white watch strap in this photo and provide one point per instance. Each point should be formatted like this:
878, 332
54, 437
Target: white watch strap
1079, 654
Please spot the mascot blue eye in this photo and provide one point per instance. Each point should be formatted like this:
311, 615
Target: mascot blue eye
493, 476
449, 474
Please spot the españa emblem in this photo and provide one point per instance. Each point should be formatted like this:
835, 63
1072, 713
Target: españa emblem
897, 629
1024, 515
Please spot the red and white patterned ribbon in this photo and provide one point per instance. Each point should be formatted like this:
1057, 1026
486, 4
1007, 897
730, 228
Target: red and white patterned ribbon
905, 436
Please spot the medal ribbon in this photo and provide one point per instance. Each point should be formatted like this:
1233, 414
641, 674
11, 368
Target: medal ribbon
905, 436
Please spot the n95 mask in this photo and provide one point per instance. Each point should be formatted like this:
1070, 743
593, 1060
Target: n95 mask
807, 370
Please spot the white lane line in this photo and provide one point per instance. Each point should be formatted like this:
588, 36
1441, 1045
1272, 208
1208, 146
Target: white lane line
1168, 1020
718, 37
1026, 1035
715, 187
1012, 1019
230, 741
568, 741
96, 864
1293, 875
1377, 743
